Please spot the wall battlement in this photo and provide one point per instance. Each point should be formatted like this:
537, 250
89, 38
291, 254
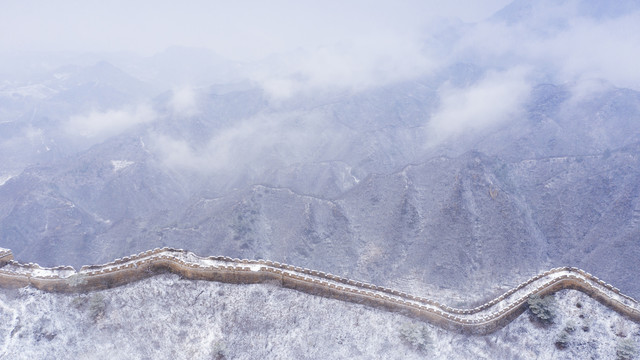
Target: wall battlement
482, 319
5, 256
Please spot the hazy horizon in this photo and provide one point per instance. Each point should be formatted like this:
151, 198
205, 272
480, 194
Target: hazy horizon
242, 31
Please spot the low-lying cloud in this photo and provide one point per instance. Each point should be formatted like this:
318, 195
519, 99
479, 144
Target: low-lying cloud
352, 67
103, 124
184, 102
560, 40
494, 99
342, 48
252, 146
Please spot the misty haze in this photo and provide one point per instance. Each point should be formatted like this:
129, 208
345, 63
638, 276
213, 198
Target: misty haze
450, 152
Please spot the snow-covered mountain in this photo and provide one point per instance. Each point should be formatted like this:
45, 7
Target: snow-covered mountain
514, 149
186, 319
365, 194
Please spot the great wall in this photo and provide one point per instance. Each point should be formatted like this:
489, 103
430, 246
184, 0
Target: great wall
482, 319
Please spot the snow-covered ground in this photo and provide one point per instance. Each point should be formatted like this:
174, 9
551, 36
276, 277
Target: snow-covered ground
169, 317
120, 164
4, 178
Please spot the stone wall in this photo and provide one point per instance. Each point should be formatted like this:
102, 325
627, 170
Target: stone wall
482, 319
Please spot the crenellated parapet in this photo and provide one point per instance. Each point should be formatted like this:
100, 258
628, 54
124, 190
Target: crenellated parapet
485, 318
5, 256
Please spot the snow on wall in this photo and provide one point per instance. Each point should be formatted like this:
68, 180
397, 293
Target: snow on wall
485, 318
5, 256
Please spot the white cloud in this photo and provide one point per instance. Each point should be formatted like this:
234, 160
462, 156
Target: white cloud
493, 100
378, 60
252, 146
585, 89
102, 124
184, 102
591, 49
559, 41
311, 48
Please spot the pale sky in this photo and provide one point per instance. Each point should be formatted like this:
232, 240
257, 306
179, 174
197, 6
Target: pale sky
240, 30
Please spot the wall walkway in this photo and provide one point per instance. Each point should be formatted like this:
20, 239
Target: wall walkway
482, 319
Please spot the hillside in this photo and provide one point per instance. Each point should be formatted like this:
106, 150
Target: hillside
186, 319
448, 162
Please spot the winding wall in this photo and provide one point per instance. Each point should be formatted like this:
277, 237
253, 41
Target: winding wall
482, 319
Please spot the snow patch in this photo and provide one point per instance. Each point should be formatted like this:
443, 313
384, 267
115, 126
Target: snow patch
353, 176
120, 164
4, 179
255, 267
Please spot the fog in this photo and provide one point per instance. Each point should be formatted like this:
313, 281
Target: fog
560, 42
170, 60
108, 123
495, 98
239, 30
